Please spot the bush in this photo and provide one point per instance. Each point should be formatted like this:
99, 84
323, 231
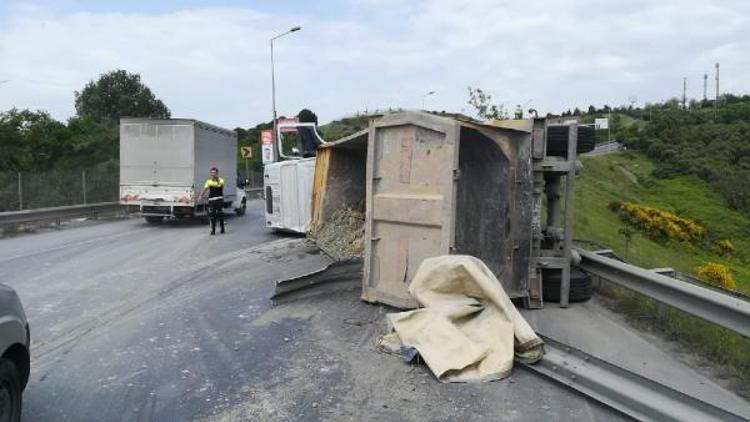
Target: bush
717, 275
725, 247
662, 224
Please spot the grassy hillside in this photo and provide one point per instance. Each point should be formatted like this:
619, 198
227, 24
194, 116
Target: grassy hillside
628, 177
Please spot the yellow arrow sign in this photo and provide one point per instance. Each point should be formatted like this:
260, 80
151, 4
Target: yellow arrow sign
246, 152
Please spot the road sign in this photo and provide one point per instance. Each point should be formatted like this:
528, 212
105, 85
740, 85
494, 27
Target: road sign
601, 123
246, 152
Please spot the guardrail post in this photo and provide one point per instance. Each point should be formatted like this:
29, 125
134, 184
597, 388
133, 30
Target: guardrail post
20, 192
83, 184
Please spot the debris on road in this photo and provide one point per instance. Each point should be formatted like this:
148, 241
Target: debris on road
339, 275
468, 329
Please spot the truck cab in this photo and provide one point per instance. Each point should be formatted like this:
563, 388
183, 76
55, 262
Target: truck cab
288, 182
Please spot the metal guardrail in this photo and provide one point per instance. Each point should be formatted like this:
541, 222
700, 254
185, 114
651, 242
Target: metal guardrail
41, 214
634, 395
719, 308
53, 213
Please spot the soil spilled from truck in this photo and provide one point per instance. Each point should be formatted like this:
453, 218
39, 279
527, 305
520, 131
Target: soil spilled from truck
343, 234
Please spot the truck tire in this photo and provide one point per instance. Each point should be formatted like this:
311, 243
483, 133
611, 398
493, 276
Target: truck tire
580, 285
154, 219
557, 140
242, 209
10, 391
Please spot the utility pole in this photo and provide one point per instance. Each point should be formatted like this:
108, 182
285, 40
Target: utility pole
684, 95
705, 86
273, 86
716, 101
717, 82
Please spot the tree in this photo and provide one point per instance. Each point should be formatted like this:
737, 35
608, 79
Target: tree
118, 94
31, 140
591, 110
307, 116
482, 103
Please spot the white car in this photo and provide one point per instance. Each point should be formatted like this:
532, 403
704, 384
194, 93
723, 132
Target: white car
14, 361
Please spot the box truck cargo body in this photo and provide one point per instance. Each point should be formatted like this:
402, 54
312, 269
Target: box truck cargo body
164, 164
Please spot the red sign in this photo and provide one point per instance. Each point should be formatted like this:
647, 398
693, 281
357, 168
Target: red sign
288, 121
266, 136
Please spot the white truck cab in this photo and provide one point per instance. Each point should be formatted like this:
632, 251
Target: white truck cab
288, 183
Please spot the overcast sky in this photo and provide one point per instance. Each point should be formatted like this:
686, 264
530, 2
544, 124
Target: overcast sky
210, 60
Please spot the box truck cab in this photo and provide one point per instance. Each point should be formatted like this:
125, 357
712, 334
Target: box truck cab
164, 164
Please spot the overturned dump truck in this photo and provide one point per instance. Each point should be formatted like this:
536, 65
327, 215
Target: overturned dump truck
429, 185
413, 186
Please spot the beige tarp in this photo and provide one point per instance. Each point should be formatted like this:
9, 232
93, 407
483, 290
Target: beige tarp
468, 329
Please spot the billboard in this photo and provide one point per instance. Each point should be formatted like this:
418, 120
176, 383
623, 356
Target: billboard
266, 142
601, 123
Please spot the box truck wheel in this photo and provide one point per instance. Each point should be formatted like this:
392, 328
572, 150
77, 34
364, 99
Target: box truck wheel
243, 207
154, 219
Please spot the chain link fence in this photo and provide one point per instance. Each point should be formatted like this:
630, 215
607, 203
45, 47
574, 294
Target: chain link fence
55, 188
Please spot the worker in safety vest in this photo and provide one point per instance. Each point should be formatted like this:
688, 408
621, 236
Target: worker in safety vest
215, 188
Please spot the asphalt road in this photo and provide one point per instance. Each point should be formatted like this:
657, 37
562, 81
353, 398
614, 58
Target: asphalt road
132, 322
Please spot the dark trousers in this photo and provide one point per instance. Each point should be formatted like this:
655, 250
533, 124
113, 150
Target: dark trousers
216, 212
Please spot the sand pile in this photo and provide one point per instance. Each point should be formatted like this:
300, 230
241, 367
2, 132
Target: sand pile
343, 234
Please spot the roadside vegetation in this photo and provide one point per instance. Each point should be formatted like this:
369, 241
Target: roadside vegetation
611, 181
605, 183
706, 139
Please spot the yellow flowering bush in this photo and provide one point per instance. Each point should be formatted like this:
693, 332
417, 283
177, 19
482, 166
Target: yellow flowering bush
662, 223
725, 246
717, 275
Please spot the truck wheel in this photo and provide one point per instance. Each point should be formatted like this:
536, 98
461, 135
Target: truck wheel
241, 210
10, 392
580, 285
154, 219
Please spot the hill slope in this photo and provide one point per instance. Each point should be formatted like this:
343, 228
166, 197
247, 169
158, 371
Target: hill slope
628, 177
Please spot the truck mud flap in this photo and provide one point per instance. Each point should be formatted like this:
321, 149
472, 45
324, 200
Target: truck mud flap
334, 277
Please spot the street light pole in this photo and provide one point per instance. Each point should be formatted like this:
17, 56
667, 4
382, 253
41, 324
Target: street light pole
425, 96
273, 86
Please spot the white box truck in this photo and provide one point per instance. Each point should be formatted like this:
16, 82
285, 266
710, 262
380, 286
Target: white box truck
164, 164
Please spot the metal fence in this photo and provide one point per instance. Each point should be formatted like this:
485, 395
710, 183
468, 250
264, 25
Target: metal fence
56, 188
254, 177
29, 190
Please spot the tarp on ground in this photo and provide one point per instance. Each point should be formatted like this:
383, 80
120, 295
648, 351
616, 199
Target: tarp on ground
468, 329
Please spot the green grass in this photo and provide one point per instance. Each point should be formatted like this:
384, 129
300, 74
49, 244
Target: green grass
628, 176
